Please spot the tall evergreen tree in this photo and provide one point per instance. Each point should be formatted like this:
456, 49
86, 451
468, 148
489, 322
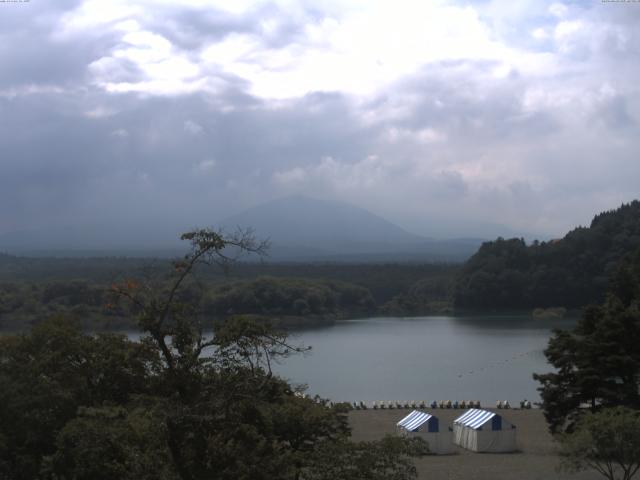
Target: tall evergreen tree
598, 362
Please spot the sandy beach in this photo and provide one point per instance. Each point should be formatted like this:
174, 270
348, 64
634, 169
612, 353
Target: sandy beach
536, 457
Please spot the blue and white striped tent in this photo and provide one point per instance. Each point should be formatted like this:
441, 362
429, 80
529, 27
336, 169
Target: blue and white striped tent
484, 431
476, 418
426, 426
417, 419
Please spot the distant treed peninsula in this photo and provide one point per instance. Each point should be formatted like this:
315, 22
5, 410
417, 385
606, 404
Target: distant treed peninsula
503, 275
33, 289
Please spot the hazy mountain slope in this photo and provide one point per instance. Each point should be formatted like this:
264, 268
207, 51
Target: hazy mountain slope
308, 221
300, 227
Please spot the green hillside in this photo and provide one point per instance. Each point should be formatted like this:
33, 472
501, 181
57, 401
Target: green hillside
570, 272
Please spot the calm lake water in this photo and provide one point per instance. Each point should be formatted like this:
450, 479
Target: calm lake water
484, 358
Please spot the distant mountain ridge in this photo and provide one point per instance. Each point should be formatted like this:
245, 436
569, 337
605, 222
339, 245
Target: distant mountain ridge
570, 272
303, 220
304, 228
300, 229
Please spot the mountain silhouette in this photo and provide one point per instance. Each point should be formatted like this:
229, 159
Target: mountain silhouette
304, 228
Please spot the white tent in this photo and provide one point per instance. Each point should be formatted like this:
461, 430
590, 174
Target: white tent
484, 431
427, 427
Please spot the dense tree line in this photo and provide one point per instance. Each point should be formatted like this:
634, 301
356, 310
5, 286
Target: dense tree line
410, 290
427, 296
289, 297
23, 304
383, 280
570, 272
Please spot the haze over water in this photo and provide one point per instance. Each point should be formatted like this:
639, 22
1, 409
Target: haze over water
485, 358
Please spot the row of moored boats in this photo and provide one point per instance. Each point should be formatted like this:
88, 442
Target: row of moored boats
395, 404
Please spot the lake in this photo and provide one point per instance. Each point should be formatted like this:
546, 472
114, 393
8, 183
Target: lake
484, 358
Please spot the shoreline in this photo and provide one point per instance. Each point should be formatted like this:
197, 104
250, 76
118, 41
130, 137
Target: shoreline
97, 322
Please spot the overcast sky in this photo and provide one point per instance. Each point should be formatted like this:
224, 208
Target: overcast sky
440, 116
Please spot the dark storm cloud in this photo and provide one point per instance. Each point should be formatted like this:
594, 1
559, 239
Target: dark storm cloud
463, 99
191, 28
29, 53
462, 138
615, 113
166, 154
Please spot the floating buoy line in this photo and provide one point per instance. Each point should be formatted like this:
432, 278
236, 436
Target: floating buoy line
498, 364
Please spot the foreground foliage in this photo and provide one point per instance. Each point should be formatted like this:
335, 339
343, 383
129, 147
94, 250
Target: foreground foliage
388, 459
607, 441
178, 404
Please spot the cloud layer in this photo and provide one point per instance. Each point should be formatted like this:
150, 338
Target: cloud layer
444, 118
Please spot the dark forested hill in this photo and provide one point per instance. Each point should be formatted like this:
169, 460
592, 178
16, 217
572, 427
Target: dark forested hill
570, 272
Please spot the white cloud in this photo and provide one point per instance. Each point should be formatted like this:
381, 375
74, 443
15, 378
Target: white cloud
146, 62
120, 133
357, 48
568, 29
540, 33
365, 50
231, 50
336, 176
95, 13
31, 89
157, 87
206, 165
100, 111
422, 136
193, 128
294, 176
558, 10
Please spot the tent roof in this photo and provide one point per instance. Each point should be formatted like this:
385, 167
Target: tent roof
414, 420
474, 418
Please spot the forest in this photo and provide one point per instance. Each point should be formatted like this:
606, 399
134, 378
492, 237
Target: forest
570, 272
290, 294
